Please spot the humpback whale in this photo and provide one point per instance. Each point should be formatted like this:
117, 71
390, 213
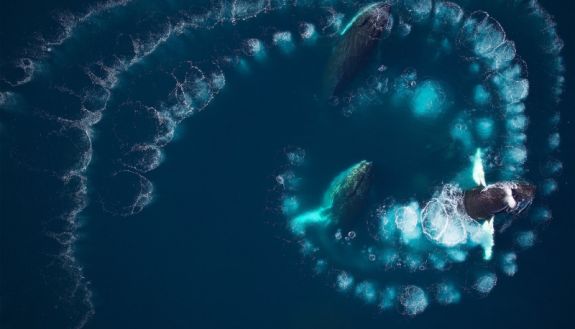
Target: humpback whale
348, 192
343, 202
484, 202
357, 42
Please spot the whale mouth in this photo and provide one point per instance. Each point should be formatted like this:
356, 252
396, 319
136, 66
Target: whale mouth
374, 12
523, 194
521, 207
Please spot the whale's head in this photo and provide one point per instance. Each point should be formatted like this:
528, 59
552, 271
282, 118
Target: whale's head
348, 193
376, 20
523, 194
353, 183
373, 18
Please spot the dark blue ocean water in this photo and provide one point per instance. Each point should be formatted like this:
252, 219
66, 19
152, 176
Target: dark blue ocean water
212, 249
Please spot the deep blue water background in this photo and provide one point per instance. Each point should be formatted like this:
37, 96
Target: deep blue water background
212, 250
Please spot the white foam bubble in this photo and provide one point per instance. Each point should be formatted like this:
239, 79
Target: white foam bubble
485, 283
413, 300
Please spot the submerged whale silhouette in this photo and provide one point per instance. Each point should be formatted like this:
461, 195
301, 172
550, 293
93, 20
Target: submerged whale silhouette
348, 192
358, 41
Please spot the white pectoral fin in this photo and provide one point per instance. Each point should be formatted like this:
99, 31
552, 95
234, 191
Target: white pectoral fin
488, 226
511, 203
478, 171
489, 241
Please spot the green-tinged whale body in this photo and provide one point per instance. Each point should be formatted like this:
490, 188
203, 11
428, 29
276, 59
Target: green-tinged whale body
343, 202
347, 195
358, 41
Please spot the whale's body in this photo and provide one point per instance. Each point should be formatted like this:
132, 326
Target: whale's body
343, 203
358, 41
348, 193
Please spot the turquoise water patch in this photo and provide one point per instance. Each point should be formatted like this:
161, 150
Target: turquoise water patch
429, 100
